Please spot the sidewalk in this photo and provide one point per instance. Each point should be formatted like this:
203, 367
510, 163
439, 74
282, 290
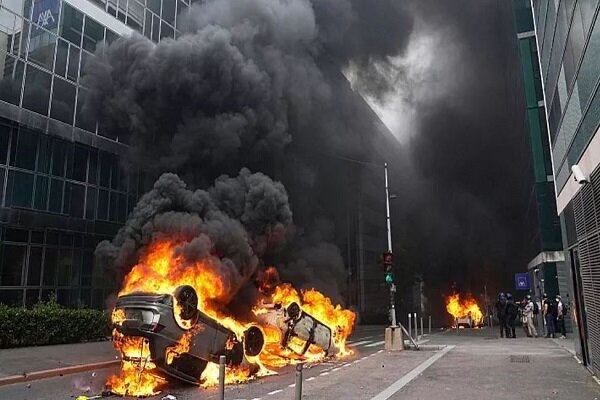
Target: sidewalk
27, 360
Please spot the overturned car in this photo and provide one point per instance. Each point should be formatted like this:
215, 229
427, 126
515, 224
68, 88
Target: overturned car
163, 320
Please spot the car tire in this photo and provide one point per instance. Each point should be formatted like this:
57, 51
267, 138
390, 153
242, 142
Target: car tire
187, 299
254, 340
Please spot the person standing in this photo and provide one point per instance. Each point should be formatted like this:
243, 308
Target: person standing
512, 310
501, 312
528, 315
562, 310
549, 316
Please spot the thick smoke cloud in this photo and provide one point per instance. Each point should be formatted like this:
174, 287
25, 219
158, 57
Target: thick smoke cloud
206, 226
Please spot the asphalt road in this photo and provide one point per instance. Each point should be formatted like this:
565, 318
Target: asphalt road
451, 365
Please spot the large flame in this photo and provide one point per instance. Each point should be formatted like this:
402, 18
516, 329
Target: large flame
161, 271
463, 308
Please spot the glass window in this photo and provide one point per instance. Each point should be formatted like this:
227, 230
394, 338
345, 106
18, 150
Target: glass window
16, 6
17, 235
168, 11
59, 154
62, 54
12, 78
73, 67
575, 43
135, 15
154, 5
52, 237
34, 268
93, 162
12, 297
26, 150
2, 177
113, 207
588, 10
42, 45
20, 189
4, 138
66, 239
80, 160
114, 176
49, 277
166, 31
155, 28
111, 36
93, 33
105, 165
65, 261
10, 28
41, 192
103, 205
37, 237
83, 120
76, 270
43, 162
63, 101
588, 72
90, 205
148, 25
12, 266
87, 267
77, 200
20, 44
56, 195
122, 208
71, 24
37, 90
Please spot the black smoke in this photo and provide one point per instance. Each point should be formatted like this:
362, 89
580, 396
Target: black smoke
232, 224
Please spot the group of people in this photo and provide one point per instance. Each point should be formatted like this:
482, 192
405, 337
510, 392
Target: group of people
553, 311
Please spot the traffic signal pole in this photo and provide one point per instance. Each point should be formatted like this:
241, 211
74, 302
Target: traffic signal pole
389, 243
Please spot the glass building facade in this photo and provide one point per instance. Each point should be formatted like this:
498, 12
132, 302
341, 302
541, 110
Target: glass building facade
548, 271
568, 47
63, 186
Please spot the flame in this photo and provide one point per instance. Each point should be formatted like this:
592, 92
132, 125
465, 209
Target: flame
462, 308
162, 270
136, 377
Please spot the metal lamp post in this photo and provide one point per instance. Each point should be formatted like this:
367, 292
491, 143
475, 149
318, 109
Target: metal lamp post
389, 243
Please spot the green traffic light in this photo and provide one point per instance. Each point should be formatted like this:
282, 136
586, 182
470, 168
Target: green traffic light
388, 278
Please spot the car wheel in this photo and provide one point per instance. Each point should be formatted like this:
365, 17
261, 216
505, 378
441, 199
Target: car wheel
254, 341
187, 300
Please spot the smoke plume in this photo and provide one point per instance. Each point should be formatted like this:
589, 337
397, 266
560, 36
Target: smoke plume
231, 225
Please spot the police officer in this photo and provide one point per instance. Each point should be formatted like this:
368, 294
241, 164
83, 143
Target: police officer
501, 312
512, 310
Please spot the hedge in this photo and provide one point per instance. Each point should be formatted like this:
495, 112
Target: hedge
50, 323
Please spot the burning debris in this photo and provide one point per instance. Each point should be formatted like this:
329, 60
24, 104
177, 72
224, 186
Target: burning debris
197, 289
465, 311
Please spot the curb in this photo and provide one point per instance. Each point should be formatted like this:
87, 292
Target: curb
50, 373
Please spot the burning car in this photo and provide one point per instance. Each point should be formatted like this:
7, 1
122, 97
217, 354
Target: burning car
182, 340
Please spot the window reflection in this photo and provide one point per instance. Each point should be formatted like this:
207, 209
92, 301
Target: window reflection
11, 78
37, 90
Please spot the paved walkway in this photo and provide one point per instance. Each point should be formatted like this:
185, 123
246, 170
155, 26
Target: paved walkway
25, 360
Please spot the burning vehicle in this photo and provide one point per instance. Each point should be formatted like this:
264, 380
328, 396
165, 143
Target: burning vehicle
166, 324
165, 320
465, 312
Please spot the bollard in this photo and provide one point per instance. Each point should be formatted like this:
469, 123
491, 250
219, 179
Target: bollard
416, 327
422, 332
222, 378
410, 325
430, 324
299, 367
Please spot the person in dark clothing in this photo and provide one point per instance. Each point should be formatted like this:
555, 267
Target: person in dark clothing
512, 310
501, 312
549, 316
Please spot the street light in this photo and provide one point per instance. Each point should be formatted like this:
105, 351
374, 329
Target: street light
388, 275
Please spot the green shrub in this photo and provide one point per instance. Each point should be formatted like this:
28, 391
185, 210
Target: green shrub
50, 323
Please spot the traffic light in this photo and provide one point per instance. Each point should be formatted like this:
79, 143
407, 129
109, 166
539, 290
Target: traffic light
388, 267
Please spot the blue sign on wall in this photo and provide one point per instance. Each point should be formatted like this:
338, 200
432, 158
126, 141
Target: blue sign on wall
45, 13
522, 281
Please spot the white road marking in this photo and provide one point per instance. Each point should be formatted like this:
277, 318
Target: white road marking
406, 379
324, 374
312, 378
292, 385
336, 369
361, 342
356, 362
362, 358
380, 351
375, 344
596, 379
346, 365
275, 392
362, 338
